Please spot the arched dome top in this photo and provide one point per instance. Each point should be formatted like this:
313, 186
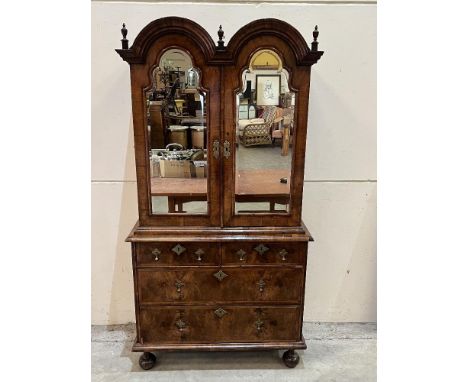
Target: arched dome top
270, 27
164, 26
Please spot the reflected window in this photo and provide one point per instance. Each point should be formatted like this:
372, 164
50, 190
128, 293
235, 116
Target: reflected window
177, 131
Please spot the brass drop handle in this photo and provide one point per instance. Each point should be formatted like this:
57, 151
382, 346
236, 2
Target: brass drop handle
259, 324
179, 284
283, 254
156, 252
241, 253
199, 252
261, 285
181, 324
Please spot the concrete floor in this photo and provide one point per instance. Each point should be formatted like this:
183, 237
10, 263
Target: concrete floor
260, 157
336, 352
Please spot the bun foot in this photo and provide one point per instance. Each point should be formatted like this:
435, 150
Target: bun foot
147, 360
291, 358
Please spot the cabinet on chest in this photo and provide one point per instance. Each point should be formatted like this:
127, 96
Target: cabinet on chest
219, 252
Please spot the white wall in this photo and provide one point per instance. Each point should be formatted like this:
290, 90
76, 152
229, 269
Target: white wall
340, 188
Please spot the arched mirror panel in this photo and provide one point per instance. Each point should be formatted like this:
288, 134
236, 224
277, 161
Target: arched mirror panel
176, 112
265, 130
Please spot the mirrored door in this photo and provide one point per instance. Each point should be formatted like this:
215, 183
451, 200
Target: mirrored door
265, 131
177, 115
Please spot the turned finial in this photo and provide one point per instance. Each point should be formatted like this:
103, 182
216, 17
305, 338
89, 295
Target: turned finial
124, 34
315, 42
221, 38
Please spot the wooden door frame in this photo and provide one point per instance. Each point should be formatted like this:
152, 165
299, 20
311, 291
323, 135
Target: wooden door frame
144, 55
297, 59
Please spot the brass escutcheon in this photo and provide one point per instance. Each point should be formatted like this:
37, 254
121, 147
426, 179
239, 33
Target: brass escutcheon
220, 275
216, 149
220, 312
178, 249
227, 149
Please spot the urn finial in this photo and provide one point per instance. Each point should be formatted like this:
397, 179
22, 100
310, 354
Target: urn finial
315, 42
221, 38
124, 35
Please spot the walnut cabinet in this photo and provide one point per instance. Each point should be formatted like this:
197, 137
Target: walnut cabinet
219, 251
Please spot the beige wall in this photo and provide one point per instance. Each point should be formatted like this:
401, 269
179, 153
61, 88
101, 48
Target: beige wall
340, 189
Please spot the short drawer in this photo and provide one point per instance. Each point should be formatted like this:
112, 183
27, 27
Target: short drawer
219, 323
264, 253
173, 254
234, 284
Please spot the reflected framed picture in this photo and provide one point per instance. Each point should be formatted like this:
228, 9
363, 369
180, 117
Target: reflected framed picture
268, 87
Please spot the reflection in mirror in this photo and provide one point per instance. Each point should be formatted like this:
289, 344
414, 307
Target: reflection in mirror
264, 136
177, 131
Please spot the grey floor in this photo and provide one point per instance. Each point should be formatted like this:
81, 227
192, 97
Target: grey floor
262, 157
336, 352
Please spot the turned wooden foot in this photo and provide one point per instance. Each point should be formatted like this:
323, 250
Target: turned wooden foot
147, 360
291, 358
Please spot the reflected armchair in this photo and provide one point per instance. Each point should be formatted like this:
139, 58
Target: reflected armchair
257, 131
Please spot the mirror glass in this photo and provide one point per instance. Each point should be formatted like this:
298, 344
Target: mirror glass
177, 131
264, 136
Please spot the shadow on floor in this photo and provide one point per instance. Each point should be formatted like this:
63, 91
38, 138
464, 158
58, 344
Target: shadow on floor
191, 360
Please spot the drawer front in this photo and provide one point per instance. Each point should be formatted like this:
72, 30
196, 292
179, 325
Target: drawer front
283, 284
253, 253
219, 324
269, 284
164, 254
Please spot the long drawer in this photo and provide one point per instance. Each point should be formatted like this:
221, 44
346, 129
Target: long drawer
219, 324
213, 284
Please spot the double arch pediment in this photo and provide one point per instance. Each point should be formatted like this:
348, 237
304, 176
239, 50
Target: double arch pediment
281, 30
